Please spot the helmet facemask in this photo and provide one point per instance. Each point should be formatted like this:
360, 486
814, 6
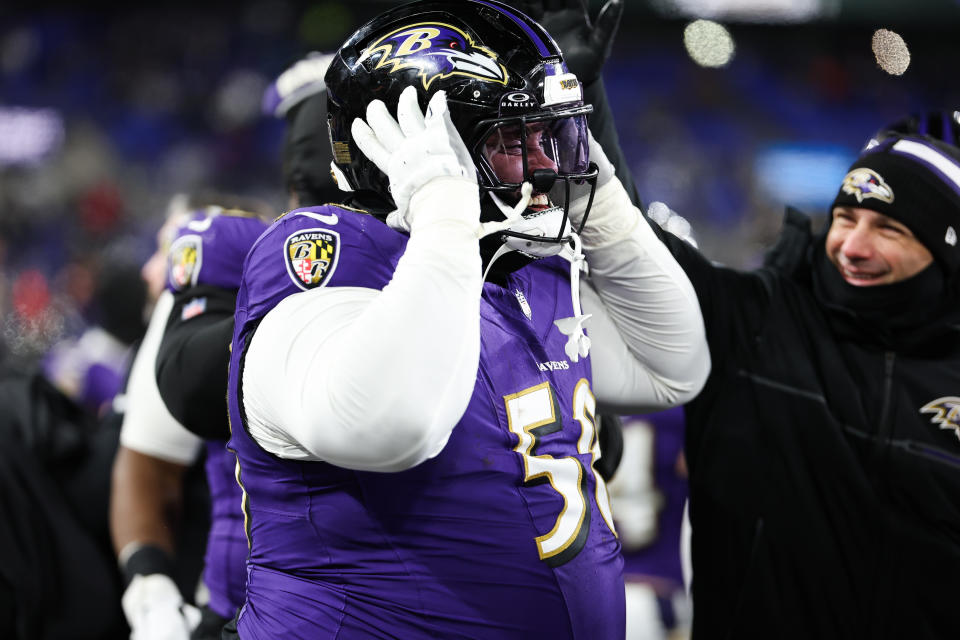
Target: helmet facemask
548, 150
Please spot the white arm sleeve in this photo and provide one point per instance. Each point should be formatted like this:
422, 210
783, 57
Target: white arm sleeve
371, 380
147, 425
649, 343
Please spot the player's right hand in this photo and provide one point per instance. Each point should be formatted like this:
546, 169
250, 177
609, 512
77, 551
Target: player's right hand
415, 149
155, 610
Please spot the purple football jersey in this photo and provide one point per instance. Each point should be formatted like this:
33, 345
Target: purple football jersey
209, 250
505, 534
225, 569
658, 562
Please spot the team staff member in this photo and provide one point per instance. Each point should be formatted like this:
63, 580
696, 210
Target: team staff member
824, 452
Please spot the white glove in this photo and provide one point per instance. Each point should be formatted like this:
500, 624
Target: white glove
415, 151
155, 609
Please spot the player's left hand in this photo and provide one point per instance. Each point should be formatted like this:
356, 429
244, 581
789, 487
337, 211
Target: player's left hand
585, 45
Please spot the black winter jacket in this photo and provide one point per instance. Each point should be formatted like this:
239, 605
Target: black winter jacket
825, 502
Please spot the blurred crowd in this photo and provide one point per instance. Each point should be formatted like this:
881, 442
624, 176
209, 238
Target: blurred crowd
104, 116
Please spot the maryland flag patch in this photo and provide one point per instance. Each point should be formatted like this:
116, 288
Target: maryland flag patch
312, 257
186, 256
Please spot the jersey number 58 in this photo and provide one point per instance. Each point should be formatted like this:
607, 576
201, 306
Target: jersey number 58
534, 413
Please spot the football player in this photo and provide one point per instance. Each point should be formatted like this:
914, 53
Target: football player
149, 471
648, 496
203, 273
413, 406
157, 490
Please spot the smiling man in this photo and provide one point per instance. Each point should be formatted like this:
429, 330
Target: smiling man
879, 236
824, 450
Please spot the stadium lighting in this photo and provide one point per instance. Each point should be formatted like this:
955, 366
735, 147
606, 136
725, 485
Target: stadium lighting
891, 52
29, 136
749, 10
708, 43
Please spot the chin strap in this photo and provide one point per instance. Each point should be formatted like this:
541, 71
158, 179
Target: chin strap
499, 253
513, 215
578, 344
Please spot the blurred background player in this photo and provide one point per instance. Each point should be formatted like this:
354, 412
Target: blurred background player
158, 539
648, 495
299, 97
203, 275
204, 270
159, 516
91, 367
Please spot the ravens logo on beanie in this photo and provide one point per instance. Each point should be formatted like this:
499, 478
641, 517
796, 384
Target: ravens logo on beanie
915, 180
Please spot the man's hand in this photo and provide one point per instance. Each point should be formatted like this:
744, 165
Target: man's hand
416, 149
585, 45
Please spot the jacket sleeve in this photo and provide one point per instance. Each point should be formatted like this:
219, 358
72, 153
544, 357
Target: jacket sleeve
732, 302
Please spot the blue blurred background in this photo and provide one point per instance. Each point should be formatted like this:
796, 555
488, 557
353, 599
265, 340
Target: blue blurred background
106, 114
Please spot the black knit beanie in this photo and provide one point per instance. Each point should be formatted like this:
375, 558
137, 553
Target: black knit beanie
915, 180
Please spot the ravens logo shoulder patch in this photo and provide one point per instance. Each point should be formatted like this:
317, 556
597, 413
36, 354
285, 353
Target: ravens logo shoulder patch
186, 258
311, 256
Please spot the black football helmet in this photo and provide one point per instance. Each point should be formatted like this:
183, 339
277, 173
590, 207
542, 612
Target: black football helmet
511, 98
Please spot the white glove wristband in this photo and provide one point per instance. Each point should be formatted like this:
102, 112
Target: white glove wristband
612, 216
